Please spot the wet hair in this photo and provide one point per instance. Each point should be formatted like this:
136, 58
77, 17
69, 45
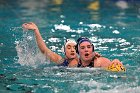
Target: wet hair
80, 40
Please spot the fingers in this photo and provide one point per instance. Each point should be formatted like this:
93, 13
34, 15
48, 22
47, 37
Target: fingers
30, 23
117, 62
25, 24
97, 54
29, 26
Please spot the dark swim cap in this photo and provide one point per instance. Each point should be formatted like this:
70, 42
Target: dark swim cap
80, 40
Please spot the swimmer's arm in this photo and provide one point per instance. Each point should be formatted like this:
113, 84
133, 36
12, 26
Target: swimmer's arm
44, 49
41, 44
105, 62
96, 54
102, 62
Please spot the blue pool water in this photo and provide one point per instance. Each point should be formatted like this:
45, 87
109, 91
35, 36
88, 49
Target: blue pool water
112, 26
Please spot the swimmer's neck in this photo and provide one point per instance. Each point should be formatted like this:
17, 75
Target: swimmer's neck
85, 63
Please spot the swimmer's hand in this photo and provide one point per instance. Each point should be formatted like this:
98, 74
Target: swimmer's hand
97, 55
116, 62
30, 26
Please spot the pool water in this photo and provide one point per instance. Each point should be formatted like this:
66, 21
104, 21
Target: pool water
112, 26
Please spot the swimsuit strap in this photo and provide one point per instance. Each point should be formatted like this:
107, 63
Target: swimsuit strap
79, 63
65, 62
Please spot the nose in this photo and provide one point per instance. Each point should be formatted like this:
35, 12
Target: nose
86, 49
72, 49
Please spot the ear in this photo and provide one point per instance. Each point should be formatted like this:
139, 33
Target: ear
92, 47
76, 48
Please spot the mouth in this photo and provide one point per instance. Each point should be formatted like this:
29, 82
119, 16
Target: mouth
72, 54
86, 55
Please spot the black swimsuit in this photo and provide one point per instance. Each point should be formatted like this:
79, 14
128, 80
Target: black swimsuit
65, 63
90, 65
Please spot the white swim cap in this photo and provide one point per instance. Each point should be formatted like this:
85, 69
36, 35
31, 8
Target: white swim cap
69, 41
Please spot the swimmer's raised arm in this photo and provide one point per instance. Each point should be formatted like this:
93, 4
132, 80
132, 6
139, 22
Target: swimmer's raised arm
41, 44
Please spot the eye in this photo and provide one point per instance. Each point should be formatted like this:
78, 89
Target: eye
89, 46
82, 47
68, 47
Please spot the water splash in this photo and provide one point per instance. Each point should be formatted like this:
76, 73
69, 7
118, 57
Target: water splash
28, 52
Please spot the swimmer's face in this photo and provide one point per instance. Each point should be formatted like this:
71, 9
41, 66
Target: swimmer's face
85, 51
70, 51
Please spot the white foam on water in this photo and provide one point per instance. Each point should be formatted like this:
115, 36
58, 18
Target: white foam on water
1, 44
122, 4
65, 28
54, 40
116, 90
95, 25
115, 32
80, 31
28, 52
62, 27
83, 69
